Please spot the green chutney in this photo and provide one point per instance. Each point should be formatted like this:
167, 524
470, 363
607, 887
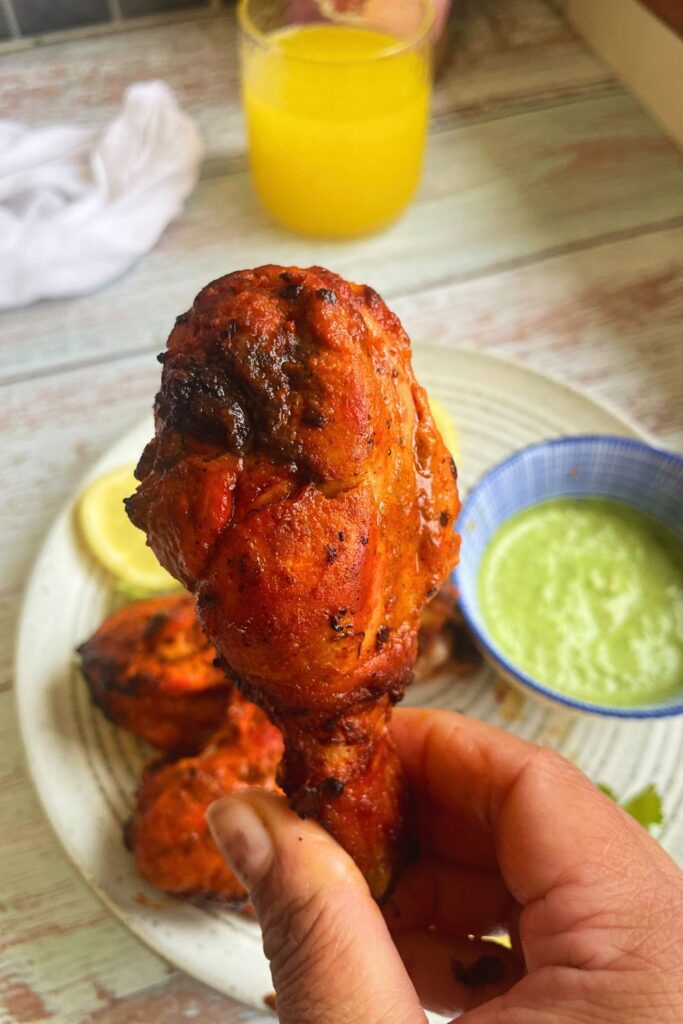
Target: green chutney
586, 597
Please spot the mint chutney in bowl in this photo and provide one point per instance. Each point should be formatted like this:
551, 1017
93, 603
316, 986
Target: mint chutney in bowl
571, 574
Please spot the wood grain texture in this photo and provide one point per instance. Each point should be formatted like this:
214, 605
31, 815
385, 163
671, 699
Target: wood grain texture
59, 948
495, 194
58, 945
607, 319
88, 409
179, 999
549, 228
505, 56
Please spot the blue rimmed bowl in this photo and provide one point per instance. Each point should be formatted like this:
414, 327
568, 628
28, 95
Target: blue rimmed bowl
626, 471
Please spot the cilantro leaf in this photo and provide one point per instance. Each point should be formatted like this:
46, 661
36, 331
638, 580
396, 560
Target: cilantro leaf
645, 805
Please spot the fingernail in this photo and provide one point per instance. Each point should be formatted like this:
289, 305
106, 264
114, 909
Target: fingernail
242, 838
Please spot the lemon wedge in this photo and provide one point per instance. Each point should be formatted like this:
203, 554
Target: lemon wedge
111, 537
446, 428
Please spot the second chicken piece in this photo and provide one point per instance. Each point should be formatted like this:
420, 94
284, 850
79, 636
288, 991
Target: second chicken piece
168, 834
152, 671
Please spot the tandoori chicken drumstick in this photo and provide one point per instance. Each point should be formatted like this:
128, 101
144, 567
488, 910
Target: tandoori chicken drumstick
298, 486
152, 671
168, 834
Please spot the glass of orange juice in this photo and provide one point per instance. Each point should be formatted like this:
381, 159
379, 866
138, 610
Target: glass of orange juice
336, 99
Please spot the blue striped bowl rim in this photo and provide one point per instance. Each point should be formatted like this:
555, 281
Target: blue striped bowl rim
628, 471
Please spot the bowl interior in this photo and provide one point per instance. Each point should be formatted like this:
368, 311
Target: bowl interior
628, 472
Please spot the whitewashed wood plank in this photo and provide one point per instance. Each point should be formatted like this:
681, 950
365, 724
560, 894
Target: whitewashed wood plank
177, 1001
608, 319
507, 54
494, 194
83, 81
61, 952
52, 428
8, 616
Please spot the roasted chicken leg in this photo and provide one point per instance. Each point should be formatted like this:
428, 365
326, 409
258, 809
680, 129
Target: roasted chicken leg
168, 834
298, 486
151, 670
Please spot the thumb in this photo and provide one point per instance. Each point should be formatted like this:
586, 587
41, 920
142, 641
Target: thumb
330, 953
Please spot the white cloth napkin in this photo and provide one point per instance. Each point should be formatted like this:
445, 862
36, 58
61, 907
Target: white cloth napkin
78, 206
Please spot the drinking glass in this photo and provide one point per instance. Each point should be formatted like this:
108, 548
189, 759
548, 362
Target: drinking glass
336, 98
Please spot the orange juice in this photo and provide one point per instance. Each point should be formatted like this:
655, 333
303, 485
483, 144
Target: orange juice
336, 118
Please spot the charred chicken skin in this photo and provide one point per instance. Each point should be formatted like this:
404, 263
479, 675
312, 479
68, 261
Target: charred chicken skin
168, 834
151, 670
297, 485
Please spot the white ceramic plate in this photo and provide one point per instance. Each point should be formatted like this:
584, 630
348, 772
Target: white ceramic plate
86, 771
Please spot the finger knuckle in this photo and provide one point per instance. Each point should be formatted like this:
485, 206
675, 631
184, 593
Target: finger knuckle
548, 762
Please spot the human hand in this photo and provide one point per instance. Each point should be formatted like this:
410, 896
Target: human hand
385, 14
510, 834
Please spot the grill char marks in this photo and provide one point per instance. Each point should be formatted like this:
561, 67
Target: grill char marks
241, 372
198, 399
249, 371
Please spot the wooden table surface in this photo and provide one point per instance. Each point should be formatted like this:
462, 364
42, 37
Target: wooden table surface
548, 228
